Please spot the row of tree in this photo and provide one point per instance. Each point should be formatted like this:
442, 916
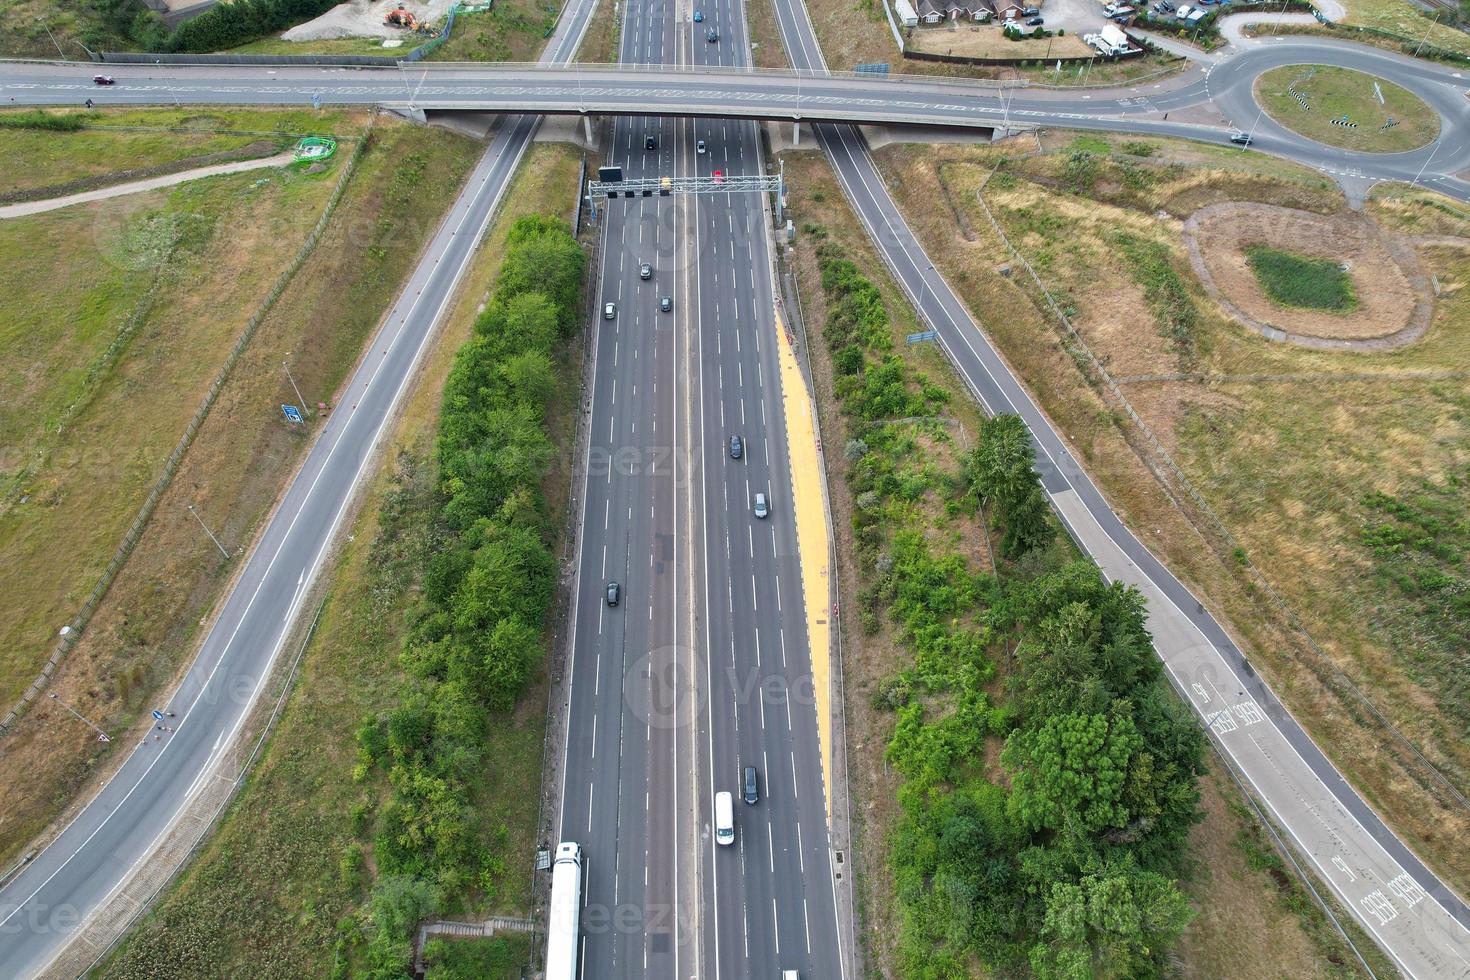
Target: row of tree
479, 631
1062, 859
237, 22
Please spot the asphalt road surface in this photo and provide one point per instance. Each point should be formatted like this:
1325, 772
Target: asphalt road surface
768, 899
41, 908
627, 778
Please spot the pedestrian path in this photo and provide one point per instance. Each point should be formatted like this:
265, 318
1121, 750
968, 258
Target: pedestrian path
26, 208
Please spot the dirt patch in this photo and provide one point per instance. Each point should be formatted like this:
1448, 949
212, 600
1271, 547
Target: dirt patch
1395, 302
362, 18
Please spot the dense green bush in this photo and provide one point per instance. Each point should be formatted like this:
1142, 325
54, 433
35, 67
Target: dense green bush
487, 584
1070, 871
40, 119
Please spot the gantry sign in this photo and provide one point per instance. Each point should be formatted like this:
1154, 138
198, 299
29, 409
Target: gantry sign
611, 184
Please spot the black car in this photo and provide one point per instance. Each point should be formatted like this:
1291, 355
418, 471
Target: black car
712, 35
752, 791
737, 448
1036, 22
666, 303
614, 593
650, 142
1241, 139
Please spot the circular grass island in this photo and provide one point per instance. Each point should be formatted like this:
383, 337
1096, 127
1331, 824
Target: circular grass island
1342, 107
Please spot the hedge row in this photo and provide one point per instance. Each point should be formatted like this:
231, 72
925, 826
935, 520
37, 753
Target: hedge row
479, 631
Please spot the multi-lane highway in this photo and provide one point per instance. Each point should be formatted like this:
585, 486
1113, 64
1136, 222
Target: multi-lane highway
666, 699
768, 899
627, 776
43, 908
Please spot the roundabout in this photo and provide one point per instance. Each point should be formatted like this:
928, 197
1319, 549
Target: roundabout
1346, 108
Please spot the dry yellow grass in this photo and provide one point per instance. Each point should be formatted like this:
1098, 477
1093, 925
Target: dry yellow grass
1284, 463
987, 41
1233, 898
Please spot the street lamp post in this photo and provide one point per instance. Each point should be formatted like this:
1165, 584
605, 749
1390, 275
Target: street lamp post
101, 735
287, 365
208, 532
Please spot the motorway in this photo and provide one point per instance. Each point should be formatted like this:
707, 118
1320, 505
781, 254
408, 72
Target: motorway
94, 855
1417, 920
627, 784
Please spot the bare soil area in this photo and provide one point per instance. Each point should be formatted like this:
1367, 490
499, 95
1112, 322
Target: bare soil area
363, 18
1392, 289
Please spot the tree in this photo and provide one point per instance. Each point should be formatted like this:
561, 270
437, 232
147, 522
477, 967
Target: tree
1116, 922
1000, 473
1070, 771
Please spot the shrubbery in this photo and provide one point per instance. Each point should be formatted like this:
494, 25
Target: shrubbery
229, 25
40, 119
478, 633
1070, 871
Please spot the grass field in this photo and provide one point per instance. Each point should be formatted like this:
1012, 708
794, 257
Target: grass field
91, 478
118, 140
1402, 17
511, 30
1291, 448
337, 45
275, 893
1334, 93
1300, 280
1234, 892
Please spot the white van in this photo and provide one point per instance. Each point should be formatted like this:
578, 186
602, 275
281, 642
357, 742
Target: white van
724, 819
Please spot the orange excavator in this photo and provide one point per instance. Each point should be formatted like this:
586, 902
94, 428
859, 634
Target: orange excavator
402, 18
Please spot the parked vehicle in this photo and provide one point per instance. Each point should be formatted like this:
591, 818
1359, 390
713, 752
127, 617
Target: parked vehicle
724, 818
1035, 21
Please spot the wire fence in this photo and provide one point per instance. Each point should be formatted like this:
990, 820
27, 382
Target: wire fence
78, 624
1174, 482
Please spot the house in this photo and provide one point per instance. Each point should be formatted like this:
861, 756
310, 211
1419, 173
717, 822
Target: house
940, 11
1009, 9
905, 13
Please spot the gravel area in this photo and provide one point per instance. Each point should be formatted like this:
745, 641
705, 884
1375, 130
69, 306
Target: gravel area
362, 18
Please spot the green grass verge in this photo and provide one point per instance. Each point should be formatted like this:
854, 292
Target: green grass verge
120, 140
497, 958
286, 875
1334, 93
1301, 280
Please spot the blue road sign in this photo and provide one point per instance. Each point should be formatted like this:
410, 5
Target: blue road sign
293, 414
157, 715
919, 338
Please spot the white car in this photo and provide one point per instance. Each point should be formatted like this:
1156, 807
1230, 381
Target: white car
610, 311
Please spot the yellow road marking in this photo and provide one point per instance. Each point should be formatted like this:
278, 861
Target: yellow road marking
813, 545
